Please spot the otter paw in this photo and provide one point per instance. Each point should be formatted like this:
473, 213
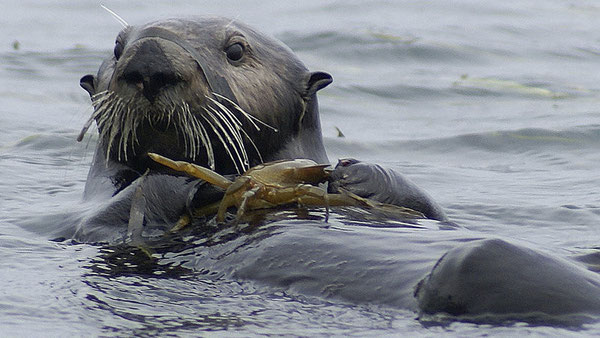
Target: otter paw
357, 177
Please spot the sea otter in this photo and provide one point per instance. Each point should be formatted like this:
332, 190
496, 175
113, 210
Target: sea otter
215, 92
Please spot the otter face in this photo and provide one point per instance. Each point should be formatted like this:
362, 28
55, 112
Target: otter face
205, 90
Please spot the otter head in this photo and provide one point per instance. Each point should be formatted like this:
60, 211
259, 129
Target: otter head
205, 90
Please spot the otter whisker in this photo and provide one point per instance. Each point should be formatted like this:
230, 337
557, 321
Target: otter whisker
235, 140
124, 128
226, 110
189, 142
201, 137
101, 98
116, 127
253, 145
226, 116
121, 149
214, 129
129, 126
250, 117
112, 134
217, 126
86, 126
98, 100
116, 16
136, 123
116, 131
104, 119
208, 145
192, 132
170, 115
205, 140
178, 124
238, 122
239, 132
108, 108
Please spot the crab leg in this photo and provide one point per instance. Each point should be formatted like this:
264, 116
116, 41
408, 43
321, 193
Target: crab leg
193, 170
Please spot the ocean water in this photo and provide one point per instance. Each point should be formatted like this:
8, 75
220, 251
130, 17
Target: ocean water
490, 107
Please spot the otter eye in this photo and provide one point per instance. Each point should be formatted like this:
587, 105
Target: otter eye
118, 49
235, 52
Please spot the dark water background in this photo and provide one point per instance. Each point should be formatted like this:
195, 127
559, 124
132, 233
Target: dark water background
492, 107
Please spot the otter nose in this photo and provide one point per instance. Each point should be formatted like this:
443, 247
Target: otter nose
150, 70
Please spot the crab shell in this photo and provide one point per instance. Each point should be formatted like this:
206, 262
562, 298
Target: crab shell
286, 173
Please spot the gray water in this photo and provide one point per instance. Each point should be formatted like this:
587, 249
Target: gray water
490, 107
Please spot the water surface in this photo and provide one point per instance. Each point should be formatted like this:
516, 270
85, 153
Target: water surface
490, 107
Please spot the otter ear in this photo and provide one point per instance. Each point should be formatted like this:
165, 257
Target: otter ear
317, 81
88, 82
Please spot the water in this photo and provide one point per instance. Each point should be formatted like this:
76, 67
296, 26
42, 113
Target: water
490, 107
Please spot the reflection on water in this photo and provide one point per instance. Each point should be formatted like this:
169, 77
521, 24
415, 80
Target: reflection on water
186, 281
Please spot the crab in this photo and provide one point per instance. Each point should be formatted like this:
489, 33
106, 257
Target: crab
272, 184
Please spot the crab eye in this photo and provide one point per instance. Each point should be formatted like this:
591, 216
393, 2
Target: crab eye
118, 49
235, 52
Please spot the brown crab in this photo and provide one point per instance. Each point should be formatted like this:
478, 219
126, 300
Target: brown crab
276, 183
